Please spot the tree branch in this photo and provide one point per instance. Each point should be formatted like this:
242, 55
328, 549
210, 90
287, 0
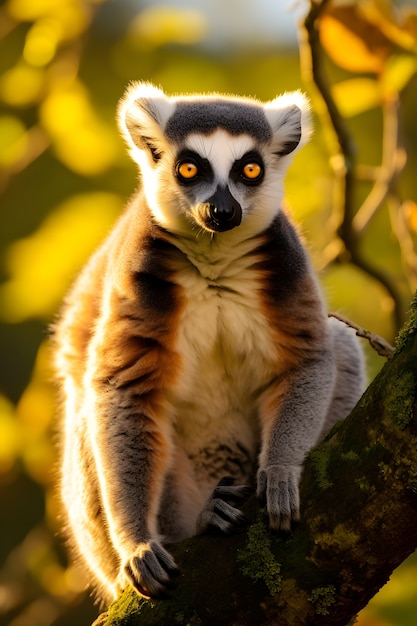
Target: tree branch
343, 161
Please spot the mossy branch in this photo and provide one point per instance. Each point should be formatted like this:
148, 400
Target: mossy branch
359, 510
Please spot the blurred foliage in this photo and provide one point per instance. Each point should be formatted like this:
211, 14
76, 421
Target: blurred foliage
64, 177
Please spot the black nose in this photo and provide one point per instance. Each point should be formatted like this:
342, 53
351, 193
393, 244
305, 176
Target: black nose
225, 212
222, 213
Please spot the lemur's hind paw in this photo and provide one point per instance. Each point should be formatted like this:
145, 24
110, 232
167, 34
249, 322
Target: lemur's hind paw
219, 511
150, 570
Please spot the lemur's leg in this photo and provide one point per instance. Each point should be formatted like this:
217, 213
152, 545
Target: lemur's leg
132, 454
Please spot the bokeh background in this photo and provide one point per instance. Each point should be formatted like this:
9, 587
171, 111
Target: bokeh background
65, 176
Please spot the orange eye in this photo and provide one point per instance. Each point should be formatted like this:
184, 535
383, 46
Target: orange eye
252, 171
187, 170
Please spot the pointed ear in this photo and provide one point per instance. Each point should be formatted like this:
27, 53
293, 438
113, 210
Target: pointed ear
289, 117
142, 115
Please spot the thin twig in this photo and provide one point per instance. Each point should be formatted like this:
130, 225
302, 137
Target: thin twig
379, 344
393, 162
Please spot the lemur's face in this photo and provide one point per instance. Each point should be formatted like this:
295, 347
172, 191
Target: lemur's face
218, 176
212, 163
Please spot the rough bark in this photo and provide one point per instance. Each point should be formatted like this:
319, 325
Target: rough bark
359, 522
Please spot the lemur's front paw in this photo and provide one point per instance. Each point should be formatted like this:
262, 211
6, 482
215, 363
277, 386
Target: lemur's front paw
219, 511
150, 570
278, 491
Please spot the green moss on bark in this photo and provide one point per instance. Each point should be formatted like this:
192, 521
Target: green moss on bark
257, 559
323, 598
319, 458
400, 397
410, 328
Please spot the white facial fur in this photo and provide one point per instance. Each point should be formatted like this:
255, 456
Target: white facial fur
171, 207
143, 117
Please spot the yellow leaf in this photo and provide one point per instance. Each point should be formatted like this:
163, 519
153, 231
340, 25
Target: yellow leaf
13, 140
9, 436
356, 95
35, 413
81, 140
70, 17
159, 25
398, 73
42, 266
30, 9
352, 42
410, 210
42, 41
410, 23
392, 21
22, 85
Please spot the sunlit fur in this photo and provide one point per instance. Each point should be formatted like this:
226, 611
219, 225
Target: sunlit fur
186, 354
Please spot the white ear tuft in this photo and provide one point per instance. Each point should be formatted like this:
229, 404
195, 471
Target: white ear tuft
290, 120
142, 115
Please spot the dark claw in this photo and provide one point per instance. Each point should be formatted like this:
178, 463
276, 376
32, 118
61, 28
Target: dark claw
232, 494
231, 515
150, 572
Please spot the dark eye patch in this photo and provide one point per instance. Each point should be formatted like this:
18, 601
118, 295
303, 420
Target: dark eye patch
204, 171
237, 171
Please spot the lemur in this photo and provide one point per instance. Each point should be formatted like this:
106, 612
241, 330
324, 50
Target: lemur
194, 353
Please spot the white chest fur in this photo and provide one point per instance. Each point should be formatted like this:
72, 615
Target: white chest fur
226, 349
